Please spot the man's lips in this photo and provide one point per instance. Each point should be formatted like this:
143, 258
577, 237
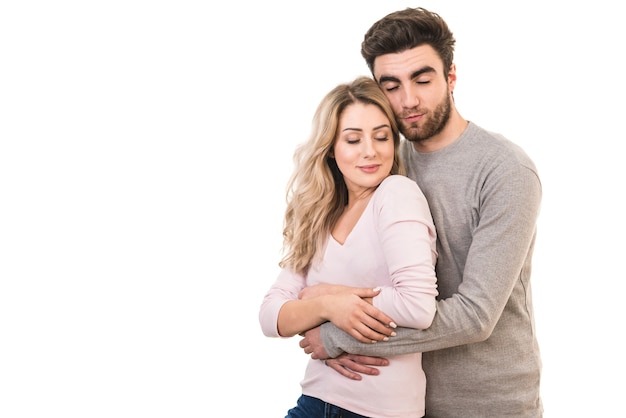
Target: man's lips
413, 117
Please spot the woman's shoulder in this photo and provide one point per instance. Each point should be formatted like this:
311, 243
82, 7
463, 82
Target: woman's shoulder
401, 196
398, 181
399, 186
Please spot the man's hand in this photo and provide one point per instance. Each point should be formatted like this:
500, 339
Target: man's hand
348, 365
352, 366
313, 345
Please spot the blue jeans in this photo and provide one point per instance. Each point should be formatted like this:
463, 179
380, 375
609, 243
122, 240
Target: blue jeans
309, 407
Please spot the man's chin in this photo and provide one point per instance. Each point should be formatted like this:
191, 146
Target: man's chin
412, 135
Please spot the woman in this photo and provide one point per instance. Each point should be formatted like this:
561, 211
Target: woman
352, 215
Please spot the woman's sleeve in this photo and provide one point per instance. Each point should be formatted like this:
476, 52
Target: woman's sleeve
408, 239
286, 287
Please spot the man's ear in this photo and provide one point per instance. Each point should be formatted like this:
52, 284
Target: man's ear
452, 77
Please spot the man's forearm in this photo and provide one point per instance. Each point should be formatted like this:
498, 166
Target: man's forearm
337, 342
446, 331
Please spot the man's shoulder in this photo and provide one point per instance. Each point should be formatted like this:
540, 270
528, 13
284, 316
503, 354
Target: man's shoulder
498, 146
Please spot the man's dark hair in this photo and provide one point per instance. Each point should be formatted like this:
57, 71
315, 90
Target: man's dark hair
407, 29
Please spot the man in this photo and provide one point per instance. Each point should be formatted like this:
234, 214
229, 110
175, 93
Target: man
480, 354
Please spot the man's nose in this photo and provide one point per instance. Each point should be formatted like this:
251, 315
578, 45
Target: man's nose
409, 98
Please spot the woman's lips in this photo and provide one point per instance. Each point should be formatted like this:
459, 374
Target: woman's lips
369, 168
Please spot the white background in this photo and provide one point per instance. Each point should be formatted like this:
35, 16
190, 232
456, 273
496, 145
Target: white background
144, 151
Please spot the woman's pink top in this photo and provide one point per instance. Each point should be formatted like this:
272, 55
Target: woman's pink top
391, 246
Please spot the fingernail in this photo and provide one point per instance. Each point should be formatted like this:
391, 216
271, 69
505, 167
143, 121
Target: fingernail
374, 341
376, 289
386, 339
392, 324
393, 334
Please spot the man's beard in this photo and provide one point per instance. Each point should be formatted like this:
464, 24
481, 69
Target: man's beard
435, 122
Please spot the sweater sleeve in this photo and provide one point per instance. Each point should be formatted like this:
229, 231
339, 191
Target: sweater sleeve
497, 260
408, 239
286, 287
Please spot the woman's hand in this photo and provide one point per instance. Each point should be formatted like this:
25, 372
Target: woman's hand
351, 309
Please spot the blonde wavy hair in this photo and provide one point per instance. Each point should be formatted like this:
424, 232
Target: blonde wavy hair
316, 191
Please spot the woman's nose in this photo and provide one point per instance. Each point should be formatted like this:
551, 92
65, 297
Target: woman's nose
368, 148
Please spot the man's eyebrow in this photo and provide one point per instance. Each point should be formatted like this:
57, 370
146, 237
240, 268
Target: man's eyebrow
421, 71
388, 78
415, 74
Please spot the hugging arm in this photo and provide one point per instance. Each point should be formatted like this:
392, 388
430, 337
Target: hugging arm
497, 260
